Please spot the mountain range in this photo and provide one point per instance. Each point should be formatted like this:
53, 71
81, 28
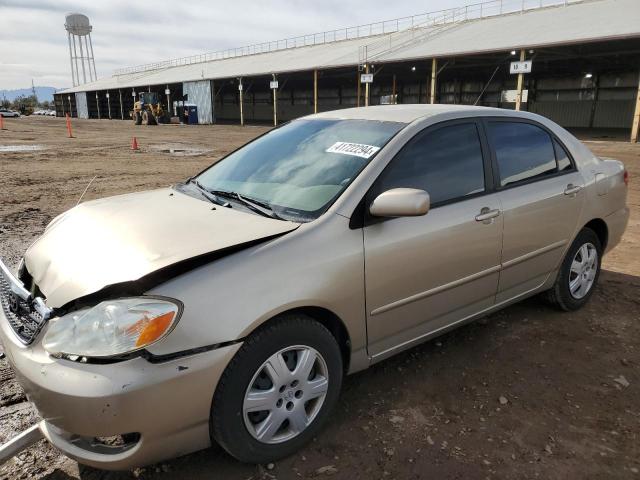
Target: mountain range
43, 93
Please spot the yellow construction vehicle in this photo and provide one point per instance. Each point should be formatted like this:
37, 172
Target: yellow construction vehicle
148, 110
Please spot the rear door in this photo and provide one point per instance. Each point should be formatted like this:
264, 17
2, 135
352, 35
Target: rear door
541, 193
425, 273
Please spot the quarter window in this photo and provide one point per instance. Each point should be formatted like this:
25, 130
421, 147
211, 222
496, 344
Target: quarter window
447, 163
564, 163
523, 151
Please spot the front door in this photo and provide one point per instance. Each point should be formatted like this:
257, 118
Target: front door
425, 273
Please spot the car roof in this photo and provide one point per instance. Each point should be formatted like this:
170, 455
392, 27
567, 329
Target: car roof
408, 113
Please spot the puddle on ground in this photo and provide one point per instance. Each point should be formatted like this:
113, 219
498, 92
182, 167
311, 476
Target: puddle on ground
179, 150
20, 148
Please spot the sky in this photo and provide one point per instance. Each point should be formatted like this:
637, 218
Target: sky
33, 41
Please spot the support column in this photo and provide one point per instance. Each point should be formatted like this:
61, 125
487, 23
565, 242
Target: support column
73, 75
86, 45
98, 105
520, 83
168, 102
70, 107
594, 103
393, 90
315, 91
84, 73
635, 129
434, 79
366, 87
358, 86
241, 101
121, 107
275, 103
75, 58
109, 104
93, 61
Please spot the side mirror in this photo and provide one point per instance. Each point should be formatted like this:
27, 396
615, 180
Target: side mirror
401, 202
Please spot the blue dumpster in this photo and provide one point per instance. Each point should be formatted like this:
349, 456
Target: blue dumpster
193, 114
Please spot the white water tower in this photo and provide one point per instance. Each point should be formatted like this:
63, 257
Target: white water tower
79, 31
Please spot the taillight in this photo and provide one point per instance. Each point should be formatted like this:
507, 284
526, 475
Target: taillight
625, 177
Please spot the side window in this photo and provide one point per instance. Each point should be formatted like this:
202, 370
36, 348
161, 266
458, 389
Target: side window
446, 162
564, 163
523, 151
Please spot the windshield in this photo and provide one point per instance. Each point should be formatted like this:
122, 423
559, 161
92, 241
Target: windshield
300, 168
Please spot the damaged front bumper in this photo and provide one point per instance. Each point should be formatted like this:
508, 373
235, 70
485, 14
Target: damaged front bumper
119, 415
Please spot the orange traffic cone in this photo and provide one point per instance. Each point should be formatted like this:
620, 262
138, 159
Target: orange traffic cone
134, 144
69, 132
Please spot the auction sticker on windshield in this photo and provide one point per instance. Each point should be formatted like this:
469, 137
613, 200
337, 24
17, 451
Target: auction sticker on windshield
357, 149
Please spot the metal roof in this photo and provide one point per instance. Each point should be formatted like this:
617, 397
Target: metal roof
588, 21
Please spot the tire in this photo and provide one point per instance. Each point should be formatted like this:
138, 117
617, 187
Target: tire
295, 338
561, 295
148, 118
137, 118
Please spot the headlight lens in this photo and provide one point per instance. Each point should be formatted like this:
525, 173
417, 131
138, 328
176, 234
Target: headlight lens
112, 327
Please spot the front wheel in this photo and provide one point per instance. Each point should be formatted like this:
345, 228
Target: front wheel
579, 272
277, 391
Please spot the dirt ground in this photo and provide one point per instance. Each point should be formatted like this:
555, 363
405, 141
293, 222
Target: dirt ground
526, 393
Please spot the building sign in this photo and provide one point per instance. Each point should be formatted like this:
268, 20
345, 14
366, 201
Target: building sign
389, 99
521, 67
510, 96
366, 78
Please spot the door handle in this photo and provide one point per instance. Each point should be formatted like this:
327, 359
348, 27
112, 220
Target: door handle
487, 214
572, 189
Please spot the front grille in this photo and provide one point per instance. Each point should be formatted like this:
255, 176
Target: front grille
24, 320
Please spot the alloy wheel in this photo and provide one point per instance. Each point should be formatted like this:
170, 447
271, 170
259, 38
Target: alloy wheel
285, 394
583, 271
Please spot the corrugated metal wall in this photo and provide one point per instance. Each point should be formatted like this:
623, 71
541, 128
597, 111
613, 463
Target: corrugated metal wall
81, 105
199, 93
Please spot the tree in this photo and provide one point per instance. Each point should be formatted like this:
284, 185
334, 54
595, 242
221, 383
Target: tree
25, 105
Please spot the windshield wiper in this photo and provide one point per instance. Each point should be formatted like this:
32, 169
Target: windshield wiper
258, 206
207, 194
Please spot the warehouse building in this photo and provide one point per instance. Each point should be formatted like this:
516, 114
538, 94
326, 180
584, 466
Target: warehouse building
580, 58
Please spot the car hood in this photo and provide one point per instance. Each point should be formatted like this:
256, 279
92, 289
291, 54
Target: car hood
121, 239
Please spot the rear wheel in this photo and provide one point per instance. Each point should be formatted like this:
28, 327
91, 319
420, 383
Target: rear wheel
579, 272
277, 391
137, 118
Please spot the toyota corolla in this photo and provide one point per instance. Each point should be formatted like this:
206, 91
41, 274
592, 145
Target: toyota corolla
228, 308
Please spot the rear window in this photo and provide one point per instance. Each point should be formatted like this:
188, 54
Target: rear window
523, 151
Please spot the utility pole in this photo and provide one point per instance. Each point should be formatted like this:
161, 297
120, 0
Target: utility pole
366, 88
635, 129
315, 91
358, 86
241, 101
434, 79
274, 89
520, 83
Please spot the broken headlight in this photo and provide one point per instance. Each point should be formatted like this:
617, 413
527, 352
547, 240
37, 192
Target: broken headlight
113, 327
